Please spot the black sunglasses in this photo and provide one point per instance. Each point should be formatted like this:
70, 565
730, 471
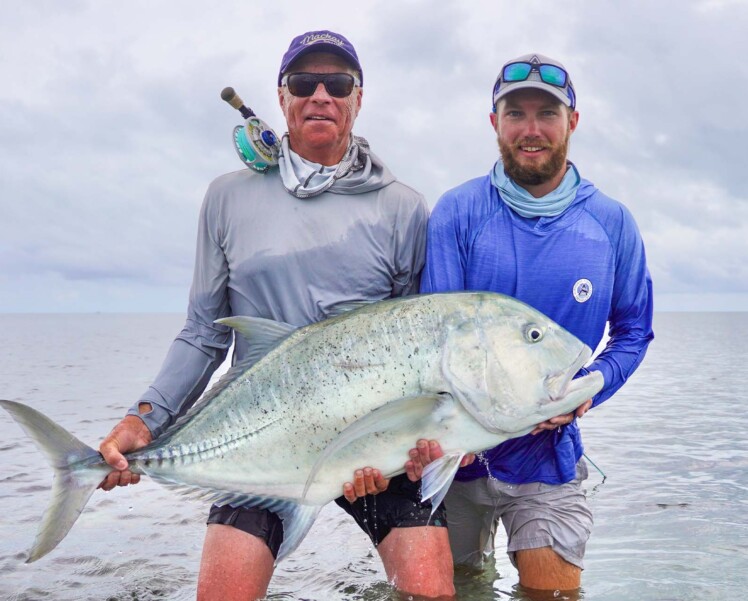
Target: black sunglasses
338, 85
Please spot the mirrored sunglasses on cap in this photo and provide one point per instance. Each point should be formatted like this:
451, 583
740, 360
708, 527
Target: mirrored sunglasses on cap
303, 85
550, 74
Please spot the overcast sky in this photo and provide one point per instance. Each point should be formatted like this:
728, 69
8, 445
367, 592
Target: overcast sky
112, 126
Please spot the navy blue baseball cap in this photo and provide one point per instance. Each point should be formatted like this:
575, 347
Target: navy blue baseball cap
319, 41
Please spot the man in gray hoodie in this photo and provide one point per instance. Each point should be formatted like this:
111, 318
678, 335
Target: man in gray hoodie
331, 225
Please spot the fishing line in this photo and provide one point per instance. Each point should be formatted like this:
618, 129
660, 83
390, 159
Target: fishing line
595, 466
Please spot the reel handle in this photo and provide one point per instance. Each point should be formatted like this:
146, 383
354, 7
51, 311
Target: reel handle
256, 143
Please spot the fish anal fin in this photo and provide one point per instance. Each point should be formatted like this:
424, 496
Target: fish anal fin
297, 521
297, 518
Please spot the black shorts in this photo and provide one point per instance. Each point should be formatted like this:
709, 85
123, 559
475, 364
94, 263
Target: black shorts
261, 523
397, 507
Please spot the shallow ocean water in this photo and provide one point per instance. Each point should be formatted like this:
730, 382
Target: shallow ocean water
670, 517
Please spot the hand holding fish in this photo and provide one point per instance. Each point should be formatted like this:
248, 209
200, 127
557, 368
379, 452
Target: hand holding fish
371, 482
367, 481
425, 452
562, 420
470, 370
129, 434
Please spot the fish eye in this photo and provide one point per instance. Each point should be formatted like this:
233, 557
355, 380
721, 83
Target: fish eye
534, 333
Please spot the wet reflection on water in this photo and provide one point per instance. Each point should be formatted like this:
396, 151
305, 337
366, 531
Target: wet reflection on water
669, 520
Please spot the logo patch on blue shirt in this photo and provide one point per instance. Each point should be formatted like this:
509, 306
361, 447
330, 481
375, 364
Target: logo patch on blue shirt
582, 290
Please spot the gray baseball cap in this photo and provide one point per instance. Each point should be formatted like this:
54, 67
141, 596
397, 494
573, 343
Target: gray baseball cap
535, 71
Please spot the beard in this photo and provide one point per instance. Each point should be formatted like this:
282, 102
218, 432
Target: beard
533, 175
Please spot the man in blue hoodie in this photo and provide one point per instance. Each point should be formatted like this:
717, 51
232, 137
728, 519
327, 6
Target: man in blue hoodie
535, 230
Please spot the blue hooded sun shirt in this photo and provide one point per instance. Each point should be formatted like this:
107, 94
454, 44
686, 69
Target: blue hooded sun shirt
477, 242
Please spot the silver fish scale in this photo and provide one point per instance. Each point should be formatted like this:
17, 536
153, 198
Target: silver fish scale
358, 364
354, 390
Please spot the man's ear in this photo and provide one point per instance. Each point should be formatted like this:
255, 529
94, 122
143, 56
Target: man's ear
573, 121
359, 97
494, 119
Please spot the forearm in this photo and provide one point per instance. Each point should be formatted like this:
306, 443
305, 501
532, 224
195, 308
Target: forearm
184, 375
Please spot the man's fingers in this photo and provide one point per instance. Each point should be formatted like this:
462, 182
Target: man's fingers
424, 452
369, 485
380, 482
414, 467
410, 471
555, 422
113, 456
114, 479
584, 408
349, 493
367, 481
374, 482
359, 486
110, 481
435, 450
467, 459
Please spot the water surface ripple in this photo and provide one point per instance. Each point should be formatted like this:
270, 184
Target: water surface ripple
669, 519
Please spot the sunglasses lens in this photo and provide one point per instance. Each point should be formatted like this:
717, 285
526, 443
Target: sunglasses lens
516, 72
553, 75
339, 85
303, 85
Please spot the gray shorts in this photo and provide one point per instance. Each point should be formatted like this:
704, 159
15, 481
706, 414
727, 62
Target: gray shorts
534, 515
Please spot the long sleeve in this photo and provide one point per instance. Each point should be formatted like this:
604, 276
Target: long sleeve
446, 254
410, 247
631, 312
201, 346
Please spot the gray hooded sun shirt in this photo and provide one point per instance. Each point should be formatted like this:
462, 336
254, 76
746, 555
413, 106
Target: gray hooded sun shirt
263, 252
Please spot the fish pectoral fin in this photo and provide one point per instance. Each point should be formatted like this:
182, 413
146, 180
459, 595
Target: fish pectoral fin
261, 334
437, 478
401, 414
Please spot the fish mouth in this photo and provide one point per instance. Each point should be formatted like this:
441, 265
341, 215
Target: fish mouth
560, 384
566, 393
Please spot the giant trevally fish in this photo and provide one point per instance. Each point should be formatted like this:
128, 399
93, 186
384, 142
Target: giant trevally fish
285, 428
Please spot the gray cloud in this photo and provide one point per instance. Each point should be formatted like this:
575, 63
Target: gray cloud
112, 128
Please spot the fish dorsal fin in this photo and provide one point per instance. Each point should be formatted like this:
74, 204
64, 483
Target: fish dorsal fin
261, 334
406, 413
297, 518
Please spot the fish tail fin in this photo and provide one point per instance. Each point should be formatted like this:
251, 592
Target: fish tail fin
74, 482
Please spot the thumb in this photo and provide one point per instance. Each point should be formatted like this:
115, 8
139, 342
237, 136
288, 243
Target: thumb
112, 456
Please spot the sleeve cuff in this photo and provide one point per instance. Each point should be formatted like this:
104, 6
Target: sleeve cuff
156, 420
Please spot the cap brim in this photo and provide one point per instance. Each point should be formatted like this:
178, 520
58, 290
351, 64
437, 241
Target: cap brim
537, 85
322, 47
